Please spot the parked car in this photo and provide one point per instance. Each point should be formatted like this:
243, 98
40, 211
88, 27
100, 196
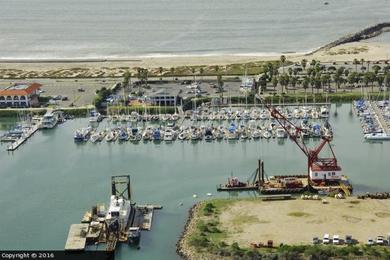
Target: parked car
370, 241
336, 240
380, 240
316, 241
81, 90
348, 240
326, 240
59, 97
64, 98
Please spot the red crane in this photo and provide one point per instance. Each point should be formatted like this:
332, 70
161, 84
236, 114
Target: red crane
320, 167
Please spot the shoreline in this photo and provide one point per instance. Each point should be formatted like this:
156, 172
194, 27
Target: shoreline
181, 249
251, 227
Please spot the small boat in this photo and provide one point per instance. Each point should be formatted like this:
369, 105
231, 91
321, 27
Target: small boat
98, 136
95, 117
377, 136
281, 133
256, 134
324, 112
111, 136
134, 236
123, 135
82, 135
169, 135
208, 136
267, 134
156, 135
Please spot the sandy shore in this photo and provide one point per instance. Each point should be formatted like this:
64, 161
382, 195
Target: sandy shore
115, 68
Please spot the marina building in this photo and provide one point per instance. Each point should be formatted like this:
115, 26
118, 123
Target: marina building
164, 97
20, 95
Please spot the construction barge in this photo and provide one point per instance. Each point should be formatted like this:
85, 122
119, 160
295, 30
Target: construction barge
285, 184
102, 229
324, 175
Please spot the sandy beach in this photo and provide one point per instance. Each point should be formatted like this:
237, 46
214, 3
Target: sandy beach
116, 68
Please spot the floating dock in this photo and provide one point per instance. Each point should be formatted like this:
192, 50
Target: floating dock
15, 145
77, 237
108, 227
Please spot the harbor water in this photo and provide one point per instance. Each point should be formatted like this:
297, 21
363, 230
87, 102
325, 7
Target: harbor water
52, 29
49, 182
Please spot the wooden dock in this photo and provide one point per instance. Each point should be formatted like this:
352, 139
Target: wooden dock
379, 116
77, 237
15, 145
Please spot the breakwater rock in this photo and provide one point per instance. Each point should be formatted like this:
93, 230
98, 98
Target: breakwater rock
364, 34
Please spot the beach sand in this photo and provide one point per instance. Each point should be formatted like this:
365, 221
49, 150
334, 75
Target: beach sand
372, 51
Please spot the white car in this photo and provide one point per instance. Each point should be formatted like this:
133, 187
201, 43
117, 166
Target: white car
380, 240
336, 240
325, 240
370, 241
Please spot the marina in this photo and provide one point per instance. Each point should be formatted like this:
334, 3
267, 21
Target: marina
208, 124
375, 119
188, 167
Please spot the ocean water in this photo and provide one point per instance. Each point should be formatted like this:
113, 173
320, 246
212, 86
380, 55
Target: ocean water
48, 183
128, 28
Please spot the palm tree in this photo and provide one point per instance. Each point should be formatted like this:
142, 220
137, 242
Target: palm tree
305, 83
173, 73
216, 68
293, 82
274, 82
201, 71
304, 63
160, 71
290, 71
283, 60
355, 62
193, 72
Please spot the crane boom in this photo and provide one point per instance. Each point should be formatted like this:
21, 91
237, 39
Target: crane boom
312, 154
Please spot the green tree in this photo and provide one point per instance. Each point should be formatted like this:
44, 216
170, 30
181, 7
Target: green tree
305, 83
304, 63
376, 69
172, 70
160, 71
284, 80
355, 62
193, 72
275, 82
263, 83
126, 79
293, 82
201, 71
283, 60
290, 71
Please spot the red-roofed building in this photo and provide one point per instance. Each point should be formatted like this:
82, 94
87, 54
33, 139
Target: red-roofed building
20, 95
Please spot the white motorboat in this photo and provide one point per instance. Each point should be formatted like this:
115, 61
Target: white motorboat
324, 112
281, 133
377, 136
49, 120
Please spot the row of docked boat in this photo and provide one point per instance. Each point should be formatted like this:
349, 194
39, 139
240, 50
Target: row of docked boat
233, 131
373, 128
136, 117
206, 114
303, 112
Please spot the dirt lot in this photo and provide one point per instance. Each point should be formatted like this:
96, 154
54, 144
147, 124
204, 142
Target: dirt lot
298, 221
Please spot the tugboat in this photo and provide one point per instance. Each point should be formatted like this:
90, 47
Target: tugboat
134, 236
